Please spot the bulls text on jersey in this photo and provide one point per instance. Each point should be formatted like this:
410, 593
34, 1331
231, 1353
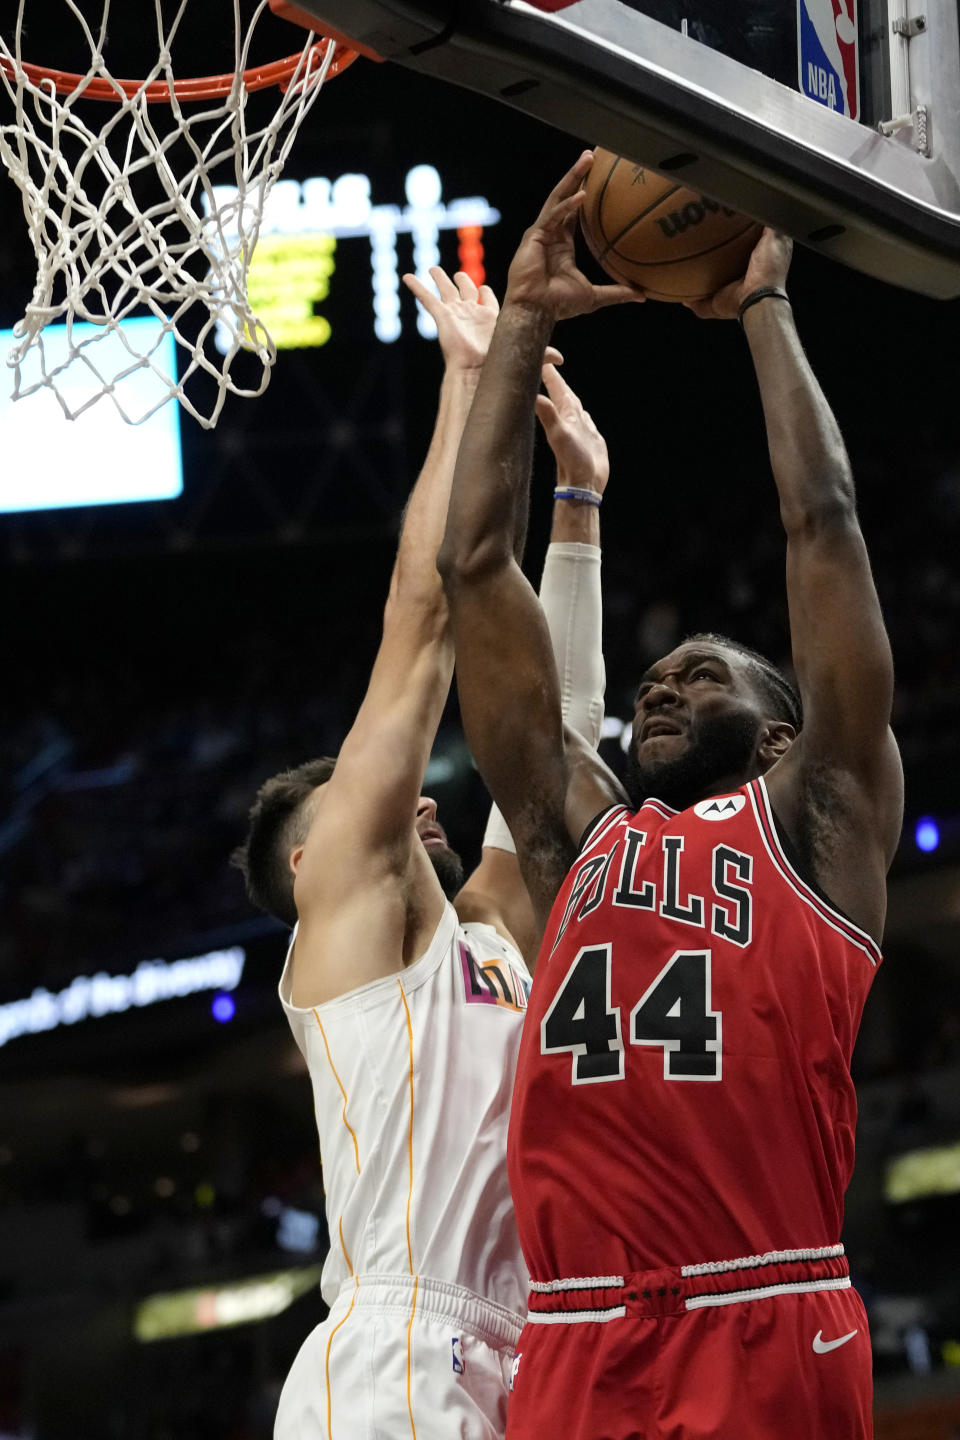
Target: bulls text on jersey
720, 902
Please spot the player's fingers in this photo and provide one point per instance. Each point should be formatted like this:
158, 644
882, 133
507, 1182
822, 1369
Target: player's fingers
466, 286
562, 215
546, 413
557, 388
488, 299
604, 295
773, 236
428, 299
570, 182
552, 356
445, 286
703, 309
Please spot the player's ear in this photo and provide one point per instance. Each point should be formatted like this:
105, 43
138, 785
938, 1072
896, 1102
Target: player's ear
776, 740
295, 857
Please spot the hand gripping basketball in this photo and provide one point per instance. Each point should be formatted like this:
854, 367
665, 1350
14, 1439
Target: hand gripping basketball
766, 269
544, 270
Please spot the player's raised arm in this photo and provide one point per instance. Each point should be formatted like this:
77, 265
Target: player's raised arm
362, 828
839, 790
571, 599
507, 676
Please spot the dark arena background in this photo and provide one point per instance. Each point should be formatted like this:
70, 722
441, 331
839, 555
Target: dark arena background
160, 659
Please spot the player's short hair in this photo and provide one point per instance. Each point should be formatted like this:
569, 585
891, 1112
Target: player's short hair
278, 823
773, 685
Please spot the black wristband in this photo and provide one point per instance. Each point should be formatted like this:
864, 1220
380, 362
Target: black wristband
766, 292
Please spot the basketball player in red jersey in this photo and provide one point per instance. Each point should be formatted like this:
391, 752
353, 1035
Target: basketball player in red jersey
683, 1119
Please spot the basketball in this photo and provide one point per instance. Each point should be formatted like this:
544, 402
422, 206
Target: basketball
646, 229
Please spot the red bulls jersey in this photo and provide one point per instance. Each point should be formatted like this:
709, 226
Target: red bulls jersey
683, 1090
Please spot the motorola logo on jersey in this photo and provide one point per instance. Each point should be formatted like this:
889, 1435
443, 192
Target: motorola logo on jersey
720, 807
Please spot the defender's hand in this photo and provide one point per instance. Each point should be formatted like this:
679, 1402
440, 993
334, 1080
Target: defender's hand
578, 447
465, 316
768, 266
544, 270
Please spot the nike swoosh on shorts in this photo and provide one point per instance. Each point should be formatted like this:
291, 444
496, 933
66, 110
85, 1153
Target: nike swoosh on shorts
822, 1347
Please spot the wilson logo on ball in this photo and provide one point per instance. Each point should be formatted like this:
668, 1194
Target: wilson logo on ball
695, 213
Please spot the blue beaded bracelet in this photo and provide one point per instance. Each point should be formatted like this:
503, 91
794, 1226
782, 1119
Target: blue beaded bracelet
573, 492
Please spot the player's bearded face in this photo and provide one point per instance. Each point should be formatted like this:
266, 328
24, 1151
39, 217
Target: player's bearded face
446, 862
711, 750
449, 869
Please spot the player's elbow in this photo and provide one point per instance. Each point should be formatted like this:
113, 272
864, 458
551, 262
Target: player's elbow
461, 563
827, 515
413, 601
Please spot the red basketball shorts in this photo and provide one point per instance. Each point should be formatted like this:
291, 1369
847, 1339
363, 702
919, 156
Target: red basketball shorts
779, 1353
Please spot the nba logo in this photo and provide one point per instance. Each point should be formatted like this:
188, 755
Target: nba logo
828, 54
457, 1346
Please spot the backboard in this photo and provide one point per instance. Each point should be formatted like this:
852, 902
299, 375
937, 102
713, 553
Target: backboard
836, 120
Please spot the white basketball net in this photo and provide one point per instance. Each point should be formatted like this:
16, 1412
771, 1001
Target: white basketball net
178, 252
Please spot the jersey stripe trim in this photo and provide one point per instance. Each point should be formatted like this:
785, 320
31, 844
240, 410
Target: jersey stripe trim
343, 1247
760, 801
323, 1036
579, 1282
660, 806
577, 1317
771, 1257
797, 1287
333, 1332
600, 827
406, 1011
413, 1311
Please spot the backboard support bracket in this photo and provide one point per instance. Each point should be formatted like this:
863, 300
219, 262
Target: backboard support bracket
918, 121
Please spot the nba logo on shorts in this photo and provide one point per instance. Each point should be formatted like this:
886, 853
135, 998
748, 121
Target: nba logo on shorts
457, 1346
827, 54
514, 1368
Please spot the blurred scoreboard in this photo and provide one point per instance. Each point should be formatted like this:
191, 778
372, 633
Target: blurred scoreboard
293, 268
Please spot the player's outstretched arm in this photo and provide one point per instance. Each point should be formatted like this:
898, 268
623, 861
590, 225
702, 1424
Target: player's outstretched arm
839, 790
363, 830
571, 600
507, 677
570, 588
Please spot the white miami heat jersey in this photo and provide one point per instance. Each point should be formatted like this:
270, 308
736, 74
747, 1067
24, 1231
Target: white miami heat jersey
412, 1077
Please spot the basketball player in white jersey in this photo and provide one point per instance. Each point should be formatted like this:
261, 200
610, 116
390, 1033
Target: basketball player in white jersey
408, 1010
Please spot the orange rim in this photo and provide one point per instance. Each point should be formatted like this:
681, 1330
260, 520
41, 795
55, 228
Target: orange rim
201, 87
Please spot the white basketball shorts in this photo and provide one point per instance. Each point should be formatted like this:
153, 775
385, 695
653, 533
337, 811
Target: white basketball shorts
402, 1356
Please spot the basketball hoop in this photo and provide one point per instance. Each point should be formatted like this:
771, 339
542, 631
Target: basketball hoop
125, 218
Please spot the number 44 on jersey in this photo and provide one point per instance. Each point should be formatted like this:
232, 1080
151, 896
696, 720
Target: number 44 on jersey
675, 1013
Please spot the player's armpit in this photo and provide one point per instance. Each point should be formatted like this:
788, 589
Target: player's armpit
839, 789
842, 830
339, 948
591, 786
496, 895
